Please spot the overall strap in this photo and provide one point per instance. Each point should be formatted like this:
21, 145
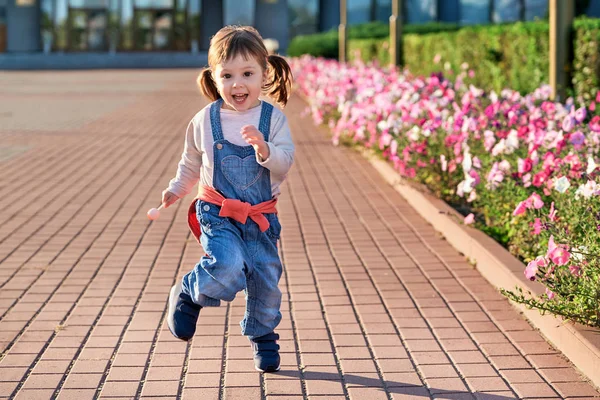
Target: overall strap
215, 120
265, 120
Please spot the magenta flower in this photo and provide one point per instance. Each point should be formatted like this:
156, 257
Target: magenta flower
524, 166
595, 124
550, 294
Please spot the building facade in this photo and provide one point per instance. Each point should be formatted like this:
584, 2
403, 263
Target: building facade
112, 26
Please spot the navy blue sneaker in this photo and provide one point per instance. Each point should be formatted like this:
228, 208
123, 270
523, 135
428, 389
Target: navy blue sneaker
266, 352
183, 314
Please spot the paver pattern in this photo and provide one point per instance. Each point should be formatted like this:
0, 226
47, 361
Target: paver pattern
376, 304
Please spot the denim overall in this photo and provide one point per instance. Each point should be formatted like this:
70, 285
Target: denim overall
238, 256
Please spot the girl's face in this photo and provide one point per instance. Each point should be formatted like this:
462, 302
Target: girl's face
239, 82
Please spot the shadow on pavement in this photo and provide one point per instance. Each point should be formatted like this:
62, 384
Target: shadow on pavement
392, 386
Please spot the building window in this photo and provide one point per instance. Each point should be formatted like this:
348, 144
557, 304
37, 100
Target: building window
474, 12
359, 11
506, 11
238, 12
536, 9
120, 25
421, 11
384, 10
304, 17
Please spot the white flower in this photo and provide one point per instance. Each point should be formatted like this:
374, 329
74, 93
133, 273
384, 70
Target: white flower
443, 162
579, 257
467, 184
587, 190
413, 134
591, 165
504, 166
561, 184
499, 148
512, 141
493, 97
467, 163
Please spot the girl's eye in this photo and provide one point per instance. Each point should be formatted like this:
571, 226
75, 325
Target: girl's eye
247, 73
227, 76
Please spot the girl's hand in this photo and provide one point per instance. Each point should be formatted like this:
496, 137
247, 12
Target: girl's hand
168, 198
253, 137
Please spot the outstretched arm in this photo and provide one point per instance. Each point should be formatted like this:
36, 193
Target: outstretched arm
188, 169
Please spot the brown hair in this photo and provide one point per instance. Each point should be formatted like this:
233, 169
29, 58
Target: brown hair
232, 41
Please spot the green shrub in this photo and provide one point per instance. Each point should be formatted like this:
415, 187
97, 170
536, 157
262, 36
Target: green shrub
507, 55
325, 44
586, 62
502, 56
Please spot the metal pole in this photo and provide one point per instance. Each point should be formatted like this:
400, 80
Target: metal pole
342, 31
396, 33
561, 19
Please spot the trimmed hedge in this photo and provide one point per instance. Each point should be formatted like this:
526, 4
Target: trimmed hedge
505, 55
325, 44
586, 62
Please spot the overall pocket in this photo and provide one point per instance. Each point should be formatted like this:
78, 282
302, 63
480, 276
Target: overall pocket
208, 215
241, 172
274, 231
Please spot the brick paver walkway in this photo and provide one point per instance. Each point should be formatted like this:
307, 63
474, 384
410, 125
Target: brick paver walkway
376, 304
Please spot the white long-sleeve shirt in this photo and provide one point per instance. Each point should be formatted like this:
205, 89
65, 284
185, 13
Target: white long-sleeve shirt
197, 161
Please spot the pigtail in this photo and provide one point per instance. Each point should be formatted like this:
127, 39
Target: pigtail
207, 85
279, 84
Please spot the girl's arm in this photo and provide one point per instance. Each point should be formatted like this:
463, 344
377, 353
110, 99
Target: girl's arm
188, 169
281, 147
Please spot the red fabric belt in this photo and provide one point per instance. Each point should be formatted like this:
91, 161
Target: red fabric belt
232, 208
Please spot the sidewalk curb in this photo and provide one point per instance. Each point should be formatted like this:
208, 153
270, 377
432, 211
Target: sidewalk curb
580, 344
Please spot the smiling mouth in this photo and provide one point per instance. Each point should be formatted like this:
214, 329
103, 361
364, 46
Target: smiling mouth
240, 98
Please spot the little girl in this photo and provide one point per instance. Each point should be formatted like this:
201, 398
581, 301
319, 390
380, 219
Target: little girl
241, 150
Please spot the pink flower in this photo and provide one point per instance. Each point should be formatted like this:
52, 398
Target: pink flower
568, 123
552, 214
558, 254
527, 180
575, 270
577, 139
595, 124
524, 166
537, 226
469, 219
550, 294
521, 208
531, 270
541, 261
551, 244
536, 201
580, 114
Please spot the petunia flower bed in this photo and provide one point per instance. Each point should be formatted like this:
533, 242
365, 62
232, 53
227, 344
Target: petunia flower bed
521, 168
